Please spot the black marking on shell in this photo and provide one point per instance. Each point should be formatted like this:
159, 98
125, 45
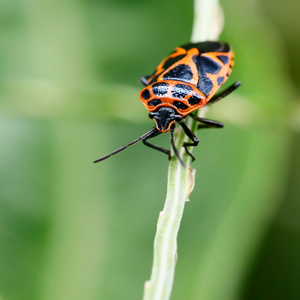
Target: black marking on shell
205, 47
181, 72
181, 90
172, 60
146, 94
220, 80
194, 99
154, 102
205, 66
223, 58
180, 105
160, 88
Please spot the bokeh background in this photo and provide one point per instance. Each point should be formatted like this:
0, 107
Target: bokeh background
69, 93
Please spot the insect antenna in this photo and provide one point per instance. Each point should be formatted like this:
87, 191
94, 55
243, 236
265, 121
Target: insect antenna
173, 146
124, 147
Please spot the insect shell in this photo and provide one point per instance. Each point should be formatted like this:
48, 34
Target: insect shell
183, 82
187, 79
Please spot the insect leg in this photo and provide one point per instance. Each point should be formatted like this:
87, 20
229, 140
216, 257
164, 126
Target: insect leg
173, 145
144, 80
192, 136
225, 93
211, 123
155, 133
207, 123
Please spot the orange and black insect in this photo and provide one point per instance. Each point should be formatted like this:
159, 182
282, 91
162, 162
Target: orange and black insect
182, 83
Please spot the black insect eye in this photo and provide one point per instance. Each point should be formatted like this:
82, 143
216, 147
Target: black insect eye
151, 115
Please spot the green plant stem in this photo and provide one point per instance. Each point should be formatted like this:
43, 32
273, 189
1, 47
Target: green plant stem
180, 179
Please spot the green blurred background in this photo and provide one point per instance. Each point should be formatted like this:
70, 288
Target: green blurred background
69, 93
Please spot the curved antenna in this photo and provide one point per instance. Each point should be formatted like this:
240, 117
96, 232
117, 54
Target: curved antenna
173, 146
124, 147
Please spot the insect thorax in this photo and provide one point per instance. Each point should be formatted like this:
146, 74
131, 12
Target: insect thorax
179, 95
